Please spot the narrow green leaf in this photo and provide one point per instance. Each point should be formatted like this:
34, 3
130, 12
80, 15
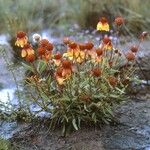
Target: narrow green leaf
41, 66
28, 67
74, 124
86, 108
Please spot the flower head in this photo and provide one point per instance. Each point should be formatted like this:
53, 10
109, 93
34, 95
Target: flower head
96, 72
59, 76
57, 58
36, 38
110, 63
103, 25
49, 46
82, 46
130, 56
21, 39
89, 45
67, 68
119, 21
66, 40
72, 45
74, 52
126, 81
41, 51
28, 53
30, 58
112, 81
47, 56
106, 40
66, 64
43, 43
27, 50
107, 44
99, 52
134, 49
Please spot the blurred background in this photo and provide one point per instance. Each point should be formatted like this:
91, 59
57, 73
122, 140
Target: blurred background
38, 15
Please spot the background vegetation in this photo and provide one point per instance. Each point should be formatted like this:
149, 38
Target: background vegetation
34, 15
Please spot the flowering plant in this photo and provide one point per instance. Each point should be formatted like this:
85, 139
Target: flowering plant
82, 84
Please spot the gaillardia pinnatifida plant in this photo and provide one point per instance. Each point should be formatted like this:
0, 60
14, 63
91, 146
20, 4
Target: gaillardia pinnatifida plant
81, 85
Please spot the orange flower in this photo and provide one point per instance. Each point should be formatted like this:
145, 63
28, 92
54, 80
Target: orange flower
28, 53
130, 56
99, 52
103, 25
66, 40
89, 50
66, 64
30, 58
82, 46
57, 58
107, 44
41, 51
21, 39
97, 55
112, 81
74, 53
80, 57
89, 45
49, 47
134, 49
47, 56
72, 45
96, 72
98, 59
106, 40
67, 68
64, 72
27, 50
59, 76
119, 21
110, 63
126, 81
43, 43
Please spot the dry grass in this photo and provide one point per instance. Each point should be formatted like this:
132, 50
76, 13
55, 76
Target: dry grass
32, 15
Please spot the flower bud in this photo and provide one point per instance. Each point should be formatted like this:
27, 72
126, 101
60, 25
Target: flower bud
130, 56
112, 81
134, 49
96, 72
41, 51
72, 45
30, 58
66, 40
66, 64
119, 21
89, 45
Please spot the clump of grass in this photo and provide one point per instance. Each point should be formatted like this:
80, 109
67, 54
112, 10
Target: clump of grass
4, 144
27, 15
87, 13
